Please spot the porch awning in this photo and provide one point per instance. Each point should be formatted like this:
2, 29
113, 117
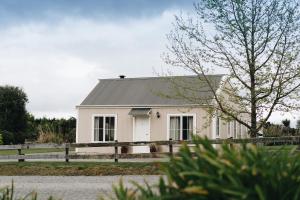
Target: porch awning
140, 112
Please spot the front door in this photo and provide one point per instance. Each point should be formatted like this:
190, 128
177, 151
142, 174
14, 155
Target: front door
141, 133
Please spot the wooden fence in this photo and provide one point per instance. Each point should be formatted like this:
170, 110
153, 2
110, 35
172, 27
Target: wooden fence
170, 143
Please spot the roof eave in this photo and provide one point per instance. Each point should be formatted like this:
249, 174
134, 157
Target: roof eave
142, 106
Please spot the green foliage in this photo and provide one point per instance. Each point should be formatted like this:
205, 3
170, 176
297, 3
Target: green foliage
16, 124
286, 123
1, 139
7, 193
51, 130
298, 124
8, 137
228, 173
275, 130
13, 112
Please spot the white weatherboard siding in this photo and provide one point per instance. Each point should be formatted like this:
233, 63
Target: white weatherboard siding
125, 124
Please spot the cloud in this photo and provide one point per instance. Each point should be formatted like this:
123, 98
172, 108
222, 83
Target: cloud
57, 64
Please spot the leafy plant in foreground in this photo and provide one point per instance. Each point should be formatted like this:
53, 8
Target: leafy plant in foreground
8, 193
226, 173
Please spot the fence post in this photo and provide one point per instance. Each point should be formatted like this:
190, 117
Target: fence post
20, 153
116, 151
170, 147
67, 152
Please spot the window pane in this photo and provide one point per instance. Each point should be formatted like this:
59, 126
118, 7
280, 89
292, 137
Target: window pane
98, 129
106, 135
175, 128
184, 128
187, 127
100, 122
112, 135
109, 128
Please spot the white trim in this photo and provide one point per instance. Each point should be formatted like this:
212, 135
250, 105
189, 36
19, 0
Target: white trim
231, 128
149, 128
133, 128
214, 127
104, 115
240, 130
77, 126
234, 129
194, 115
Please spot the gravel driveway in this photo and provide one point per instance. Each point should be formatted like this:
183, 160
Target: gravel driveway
70, 187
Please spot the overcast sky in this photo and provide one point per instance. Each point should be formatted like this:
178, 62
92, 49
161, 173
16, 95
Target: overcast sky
56, 50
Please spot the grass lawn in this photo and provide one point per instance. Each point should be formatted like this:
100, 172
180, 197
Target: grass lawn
31, 151
281, 148
78, 168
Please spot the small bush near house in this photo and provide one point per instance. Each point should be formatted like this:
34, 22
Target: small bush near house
153, 148
228, 173
47, 135
124, 149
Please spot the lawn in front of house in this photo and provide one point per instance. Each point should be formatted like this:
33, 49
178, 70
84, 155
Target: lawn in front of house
33, 151
280, 148
78, 168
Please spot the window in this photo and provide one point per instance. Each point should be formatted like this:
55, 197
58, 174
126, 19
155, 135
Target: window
234, 129
181, 127
229, 129
104, 128
240, 130
217, 126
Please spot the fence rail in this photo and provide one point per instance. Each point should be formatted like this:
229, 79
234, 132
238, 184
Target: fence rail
293, 140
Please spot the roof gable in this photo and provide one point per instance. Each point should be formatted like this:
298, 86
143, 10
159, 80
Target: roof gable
151, 91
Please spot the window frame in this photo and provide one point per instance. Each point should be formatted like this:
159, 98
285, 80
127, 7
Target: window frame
181, 115
104, 117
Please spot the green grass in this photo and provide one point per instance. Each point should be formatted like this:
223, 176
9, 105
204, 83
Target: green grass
78, 168
283, 147
32, 151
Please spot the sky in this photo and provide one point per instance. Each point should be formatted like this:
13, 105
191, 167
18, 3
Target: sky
56, 50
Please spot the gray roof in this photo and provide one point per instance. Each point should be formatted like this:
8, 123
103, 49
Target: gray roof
140, 111
151, 91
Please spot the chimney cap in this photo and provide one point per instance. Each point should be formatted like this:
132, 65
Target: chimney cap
122, 76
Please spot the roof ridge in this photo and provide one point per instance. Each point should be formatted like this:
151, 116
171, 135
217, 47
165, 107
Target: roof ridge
158, 77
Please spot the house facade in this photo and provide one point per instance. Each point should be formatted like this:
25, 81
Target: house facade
143, 109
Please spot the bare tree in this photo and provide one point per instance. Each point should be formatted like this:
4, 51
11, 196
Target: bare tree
255, 41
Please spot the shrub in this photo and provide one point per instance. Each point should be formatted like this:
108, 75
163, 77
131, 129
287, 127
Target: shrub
8, 137
47, 135
124, 149
227, 173
1, 139
153, 148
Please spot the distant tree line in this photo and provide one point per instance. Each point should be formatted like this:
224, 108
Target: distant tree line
18, 126
283, 129
45, 130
